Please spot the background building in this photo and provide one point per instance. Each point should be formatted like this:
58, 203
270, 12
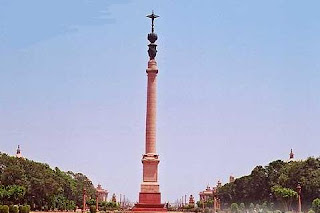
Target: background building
18, 154
102, 193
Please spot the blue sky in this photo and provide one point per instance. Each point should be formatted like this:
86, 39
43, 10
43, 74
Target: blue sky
238, 86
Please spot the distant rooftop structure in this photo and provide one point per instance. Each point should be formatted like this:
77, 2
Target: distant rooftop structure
19, 155
208, 193
114, 198
211, 194
231, 179
102, 193
191, 201
291, 156
219, 184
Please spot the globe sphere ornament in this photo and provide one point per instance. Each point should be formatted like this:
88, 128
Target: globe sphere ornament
152, 37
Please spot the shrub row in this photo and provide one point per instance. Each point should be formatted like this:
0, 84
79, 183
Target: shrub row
14, 209
4, 209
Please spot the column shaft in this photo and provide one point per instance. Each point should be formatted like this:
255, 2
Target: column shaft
151, 112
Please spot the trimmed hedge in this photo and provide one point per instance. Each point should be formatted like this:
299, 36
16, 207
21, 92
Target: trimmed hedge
4, 209
93, 209
24, 209
13, 209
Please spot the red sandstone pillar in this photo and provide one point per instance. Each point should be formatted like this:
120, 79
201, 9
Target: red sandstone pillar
150, 196
97, 201
151, 107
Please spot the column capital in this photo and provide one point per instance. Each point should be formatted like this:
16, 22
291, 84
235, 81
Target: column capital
152, 66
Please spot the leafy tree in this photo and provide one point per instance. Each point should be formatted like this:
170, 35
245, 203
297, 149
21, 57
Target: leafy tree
71, 205
26, 181
257, 187
12, 193
91, 202
285, 195
316, 205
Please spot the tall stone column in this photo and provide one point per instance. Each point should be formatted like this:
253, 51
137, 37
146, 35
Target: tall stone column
150, 196
151, 107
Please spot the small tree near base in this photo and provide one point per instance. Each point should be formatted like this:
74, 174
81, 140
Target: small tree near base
316, 205
285, 195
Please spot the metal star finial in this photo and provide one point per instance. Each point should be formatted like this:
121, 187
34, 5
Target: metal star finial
153, 17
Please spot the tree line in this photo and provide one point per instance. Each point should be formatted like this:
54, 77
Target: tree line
276, 184
24, 181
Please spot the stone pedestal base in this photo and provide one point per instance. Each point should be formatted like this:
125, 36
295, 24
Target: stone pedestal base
149, 202
150, 198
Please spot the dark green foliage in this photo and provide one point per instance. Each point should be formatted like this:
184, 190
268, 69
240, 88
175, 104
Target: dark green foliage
206, 204
199, 204
108, 205
285, 195
316, 205
209, 203
13, 209
113, 205
234, 208
257, 187
4, 209
25, 181
12, 193
91, 202
71, 205
23, 209
93, 209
